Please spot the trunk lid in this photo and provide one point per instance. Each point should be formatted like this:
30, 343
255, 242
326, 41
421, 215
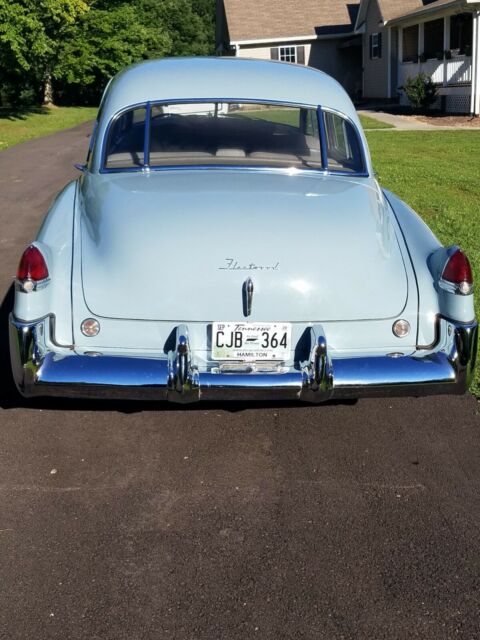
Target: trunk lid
179, 245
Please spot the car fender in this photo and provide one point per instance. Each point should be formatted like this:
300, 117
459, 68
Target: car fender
420, 243
428, 258
54, 240
452, 305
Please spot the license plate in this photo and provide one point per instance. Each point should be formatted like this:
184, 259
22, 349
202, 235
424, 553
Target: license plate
249, 341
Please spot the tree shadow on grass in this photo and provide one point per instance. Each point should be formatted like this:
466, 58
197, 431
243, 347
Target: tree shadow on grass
22, 113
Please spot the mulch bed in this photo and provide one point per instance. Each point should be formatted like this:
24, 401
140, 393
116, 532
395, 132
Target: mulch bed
449, 121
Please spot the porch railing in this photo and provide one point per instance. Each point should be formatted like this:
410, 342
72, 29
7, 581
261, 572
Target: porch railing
443, 72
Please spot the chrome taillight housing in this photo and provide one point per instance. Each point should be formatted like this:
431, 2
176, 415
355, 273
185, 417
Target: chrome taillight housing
457, 273
32, 270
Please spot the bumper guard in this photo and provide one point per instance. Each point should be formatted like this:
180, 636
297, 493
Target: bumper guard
42, 369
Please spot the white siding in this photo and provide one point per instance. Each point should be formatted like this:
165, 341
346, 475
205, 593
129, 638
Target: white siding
263, 53
375, 75
342, 64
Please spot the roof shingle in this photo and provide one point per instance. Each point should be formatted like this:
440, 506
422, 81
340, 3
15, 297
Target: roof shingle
393, 9
264, 19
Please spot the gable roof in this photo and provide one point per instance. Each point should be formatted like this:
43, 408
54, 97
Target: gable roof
425, 6
271, 19
393, 9
398, 9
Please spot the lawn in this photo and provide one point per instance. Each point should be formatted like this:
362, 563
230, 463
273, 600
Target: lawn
437, 174
372, 123
20, 125
291, 117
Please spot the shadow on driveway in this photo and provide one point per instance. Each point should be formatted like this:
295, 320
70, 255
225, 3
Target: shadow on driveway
11, 399
9, 396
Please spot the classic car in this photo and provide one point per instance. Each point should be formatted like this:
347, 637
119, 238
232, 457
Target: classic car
227, 239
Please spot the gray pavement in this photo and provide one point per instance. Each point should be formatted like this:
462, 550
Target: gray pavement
131, 521
409, 123
399, 122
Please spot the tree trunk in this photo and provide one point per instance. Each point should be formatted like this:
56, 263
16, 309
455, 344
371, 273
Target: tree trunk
47, 89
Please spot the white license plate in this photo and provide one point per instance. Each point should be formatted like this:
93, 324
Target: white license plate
251, 341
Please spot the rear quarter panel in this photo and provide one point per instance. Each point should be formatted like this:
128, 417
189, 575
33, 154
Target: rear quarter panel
55, 241
421, 244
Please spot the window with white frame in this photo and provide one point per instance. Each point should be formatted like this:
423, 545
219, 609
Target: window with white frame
291, 53
288, 54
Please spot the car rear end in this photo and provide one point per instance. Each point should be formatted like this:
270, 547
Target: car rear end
237, 249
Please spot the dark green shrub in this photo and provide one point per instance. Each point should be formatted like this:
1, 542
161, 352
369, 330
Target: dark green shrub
420, 91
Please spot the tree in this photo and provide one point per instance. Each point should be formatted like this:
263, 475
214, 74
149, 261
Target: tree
101, 43
190, 25
74, 46
31, 33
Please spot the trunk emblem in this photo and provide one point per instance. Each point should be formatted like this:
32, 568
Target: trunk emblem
247, 295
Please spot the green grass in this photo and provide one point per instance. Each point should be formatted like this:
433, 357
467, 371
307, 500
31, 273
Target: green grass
437, 174
24, 124
281, 116
21, 125
291, 117
373, 123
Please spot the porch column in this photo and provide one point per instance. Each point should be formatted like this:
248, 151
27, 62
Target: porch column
421, 41
389, 62
446, 46
475, 97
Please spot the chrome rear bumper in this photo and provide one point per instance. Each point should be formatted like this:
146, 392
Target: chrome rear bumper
42, 369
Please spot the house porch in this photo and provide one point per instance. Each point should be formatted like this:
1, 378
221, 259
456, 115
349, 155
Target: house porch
447, 50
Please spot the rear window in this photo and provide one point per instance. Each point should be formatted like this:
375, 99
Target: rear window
229, 133
343, 146
126, 140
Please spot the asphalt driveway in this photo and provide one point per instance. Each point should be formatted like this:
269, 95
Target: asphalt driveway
129, 521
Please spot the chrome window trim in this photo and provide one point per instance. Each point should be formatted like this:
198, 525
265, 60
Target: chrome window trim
146, 168
323, 138
146, 138
363, 173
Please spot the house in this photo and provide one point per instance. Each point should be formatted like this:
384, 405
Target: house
440, 38
319, 33
370, 46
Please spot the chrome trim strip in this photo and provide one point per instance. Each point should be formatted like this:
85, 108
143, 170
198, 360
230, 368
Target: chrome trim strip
37, 285
436, 336
451, 287
237, 167
146, 139
359, 138
41, 370
323, 138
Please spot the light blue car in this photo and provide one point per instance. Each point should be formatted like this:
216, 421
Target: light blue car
227, 240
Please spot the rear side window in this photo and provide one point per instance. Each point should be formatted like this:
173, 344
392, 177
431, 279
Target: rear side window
343, 146
125, 146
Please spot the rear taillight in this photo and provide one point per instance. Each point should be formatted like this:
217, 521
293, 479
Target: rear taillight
32, 266
458, 272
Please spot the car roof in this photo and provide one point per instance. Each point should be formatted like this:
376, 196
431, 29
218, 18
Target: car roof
224, 78
220, 78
